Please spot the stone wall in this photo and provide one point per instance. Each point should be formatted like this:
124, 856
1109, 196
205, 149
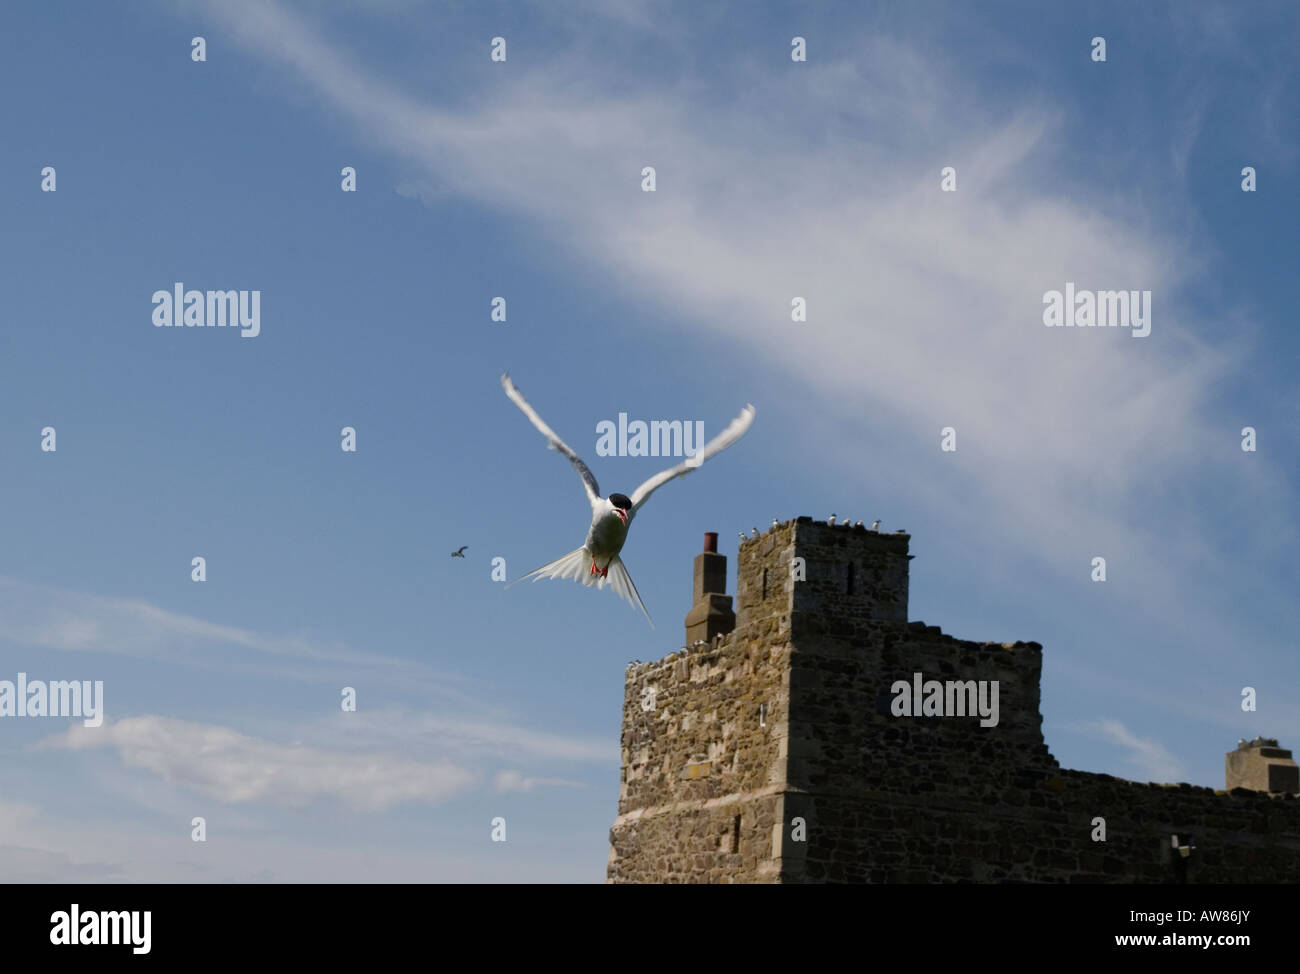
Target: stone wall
944, 799
704, 766
1238, 837
711, 751
790, 717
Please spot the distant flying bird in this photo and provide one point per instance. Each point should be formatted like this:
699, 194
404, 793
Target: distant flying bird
612, 516
875, 525
460, 552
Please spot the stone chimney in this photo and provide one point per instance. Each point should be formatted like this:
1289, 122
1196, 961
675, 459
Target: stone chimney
710, 613
1261, 765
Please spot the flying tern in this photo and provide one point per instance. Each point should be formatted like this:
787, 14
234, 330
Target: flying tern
597, 562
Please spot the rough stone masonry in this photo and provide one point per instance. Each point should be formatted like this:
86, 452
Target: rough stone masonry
772, 752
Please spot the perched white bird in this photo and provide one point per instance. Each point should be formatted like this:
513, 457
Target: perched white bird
875, 525
858, 525
831, 520
755, 531
612, 516
742, 535
775, 522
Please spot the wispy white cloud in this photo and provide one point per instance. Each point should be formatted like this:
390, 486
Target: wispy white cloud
462, 737
224, 764
351, 756
62, 619
1148, 757
49, 617
511, 780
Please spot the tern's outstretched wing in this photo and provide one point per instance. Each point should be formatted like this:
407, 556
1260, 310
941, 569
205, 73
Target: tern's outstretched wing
730, 435
553, 441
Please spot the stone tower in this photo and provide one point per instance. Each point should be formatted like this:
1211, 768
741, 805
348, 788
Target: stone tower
825, 738
1261, 765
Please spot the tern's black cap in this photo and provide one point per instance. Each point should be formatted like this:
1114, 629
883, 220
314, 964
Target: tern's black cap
621, 501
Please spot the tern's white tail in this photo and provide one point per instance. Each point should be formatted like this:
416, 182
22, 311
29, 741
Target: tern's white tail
577, 566
621, 582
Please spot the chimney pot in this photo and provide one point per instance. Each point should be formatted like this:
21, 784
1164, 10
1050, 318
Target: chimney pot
711, 613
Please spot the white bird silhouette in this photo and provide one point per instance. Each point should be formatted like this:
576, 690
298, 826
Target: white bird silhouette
612, 516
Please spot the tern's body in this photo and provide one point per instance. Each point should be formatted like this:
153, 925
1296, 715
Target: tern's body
606, 536
598, 561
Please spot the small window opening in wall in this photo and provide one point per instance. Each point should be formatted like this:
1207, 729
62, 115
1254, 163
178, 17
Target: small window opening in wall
735, 834
765, 584
850, 586
762, 715
1182, 851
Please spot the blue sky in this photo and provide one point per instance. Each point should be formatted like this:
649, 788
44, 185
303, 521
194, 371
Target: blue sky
522, 179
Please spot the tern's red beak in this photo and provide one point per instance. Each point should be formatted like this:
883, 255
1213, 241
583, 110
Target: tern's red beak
621, 513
